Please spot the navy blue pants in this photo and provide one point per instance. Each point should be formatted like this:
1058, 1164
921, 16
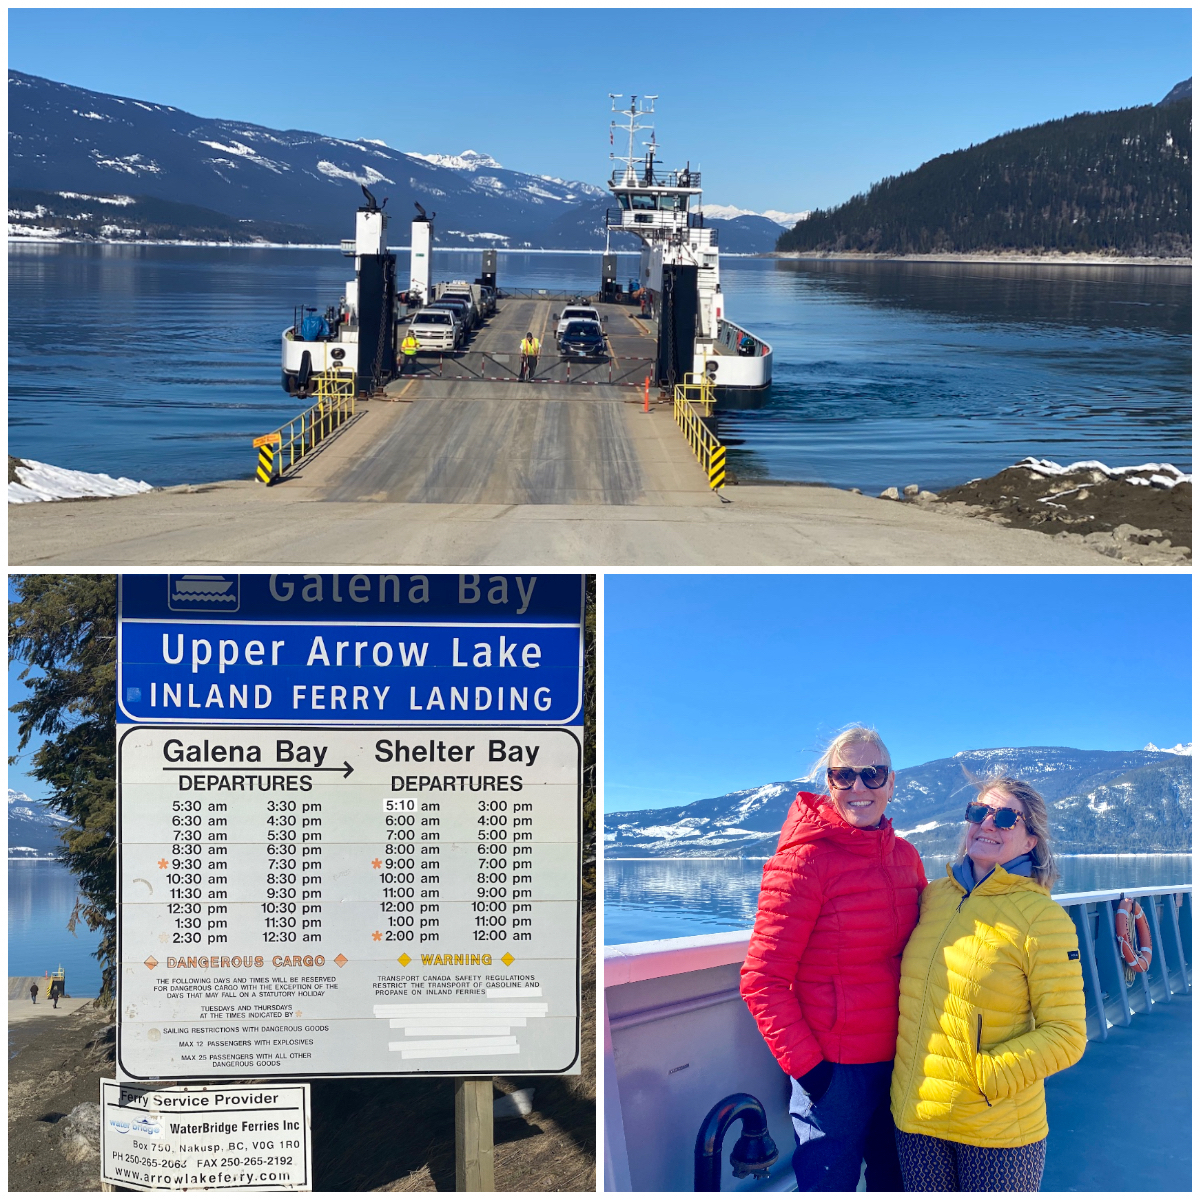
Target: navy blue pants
851, 1122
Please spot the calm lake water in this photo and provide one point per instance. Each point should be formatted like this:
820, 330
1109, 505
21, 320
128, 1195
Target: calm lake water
162, 362
645, 899
41, 895
890, 373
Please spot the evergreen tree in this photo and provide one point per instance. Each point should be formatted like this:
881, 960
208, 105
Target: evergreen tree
1113, 182
63, 627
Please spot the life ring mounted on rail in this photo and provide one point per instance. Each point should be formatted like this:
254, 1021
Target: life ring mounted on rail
1133, 938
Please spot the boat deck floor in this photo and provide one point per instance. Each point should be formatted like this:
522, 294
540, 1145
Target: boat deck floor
1121, 1118
492, 355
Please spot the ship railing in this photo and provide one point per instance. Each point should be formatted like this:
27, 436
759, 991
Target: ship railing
1109, 1000
284, 448
513, 293
697, 390
729, 339
485, 366
636, 220
654, 178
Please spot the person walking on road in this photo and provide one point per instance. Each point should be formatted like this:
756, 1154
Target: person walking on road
409, 347
530, 349
33, 991
56, 990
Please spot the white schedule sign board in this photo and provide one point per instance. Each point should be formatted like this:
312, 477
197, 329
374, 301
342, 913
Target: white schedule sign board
248, 1138
316, 901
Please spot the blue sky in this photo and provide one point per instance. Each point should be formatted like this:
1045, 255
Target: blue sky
780, 108
721, 682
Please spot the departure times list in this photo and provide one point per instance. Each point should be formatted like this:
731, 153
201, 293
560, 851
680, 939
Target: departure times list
316, 901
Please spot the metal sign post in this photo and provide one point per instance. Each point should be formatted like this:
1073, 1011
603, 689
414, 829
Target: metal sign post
348, 818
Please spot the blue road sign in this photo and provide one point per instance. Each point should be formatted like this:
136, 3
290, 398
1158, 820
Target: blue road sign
351, 649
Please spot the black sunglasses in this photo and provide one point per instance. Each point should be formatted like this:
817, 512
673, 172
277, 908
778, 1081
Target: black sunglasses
843, 778
1005, 818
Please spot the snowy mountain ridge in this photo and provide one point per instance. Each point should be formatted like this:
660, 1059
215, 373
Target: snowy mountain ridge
1099, 802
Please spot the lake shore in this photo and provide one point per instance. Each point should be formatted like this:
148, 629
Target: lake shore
386, 1135
997, 256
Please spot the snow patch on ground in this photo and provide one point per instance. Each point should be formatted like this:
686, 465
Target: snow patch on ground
250, 155
918, 828
40, 481
369, 174
131, 164
1164, 475
120, 201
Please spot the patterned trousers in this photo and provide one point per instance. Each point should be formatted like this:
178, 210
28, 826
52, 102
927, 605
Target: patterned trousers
931, 1164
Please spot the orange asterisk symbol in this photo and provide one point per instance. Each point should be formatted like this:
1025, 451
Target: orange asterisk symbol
375, 862
377, 936
162, 862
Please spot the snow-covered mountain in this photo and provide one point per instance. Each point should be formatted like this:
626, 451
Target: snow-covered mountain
728, 212
1101, 801
32, 827
71, 144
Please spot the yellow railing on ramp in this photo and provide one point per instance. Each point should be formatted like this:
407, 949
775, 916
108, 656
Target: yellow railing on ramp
706, 446
283, 448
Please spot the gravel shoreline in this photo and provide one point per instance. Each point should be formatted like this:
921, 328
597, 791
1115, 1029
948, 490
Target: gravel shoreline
383, 1135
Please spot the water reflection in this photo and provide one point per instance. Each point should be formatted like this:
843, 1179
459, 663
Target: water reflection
934, 373
646, 899
41, 895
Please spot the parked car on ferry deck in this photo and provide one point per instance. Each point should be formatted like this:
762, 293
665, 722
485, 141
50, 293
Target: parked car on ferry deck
436, 329
583, 339
574, 312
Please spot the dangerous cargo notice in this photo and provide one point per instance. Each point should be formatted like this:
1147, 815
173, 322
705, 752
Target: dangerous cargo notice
244, 1138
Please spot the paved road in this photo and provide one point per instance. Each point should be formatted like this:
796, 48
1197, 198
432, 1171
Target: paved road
241, 523
503, 451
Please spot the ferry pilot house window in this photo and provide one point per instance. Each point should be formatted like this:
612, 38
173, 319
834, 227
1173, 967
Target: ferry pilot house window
643, 202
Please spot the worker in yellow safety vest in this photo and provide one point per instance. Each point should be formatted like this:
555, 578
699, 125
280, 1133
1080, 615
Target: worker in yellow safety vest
530, 349
409, 348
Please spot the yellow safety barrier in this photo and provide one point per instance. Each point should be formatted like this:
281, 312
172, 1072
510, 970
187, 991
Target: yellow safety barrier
706, 446
281, 449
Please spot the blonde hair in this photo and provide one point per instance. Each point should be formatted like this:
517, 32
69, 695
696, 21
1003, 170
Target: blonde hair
1037, 821
852, 735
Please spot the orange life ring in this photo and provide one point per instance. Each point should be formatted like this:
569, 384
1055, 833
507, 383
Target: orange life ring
1129, 917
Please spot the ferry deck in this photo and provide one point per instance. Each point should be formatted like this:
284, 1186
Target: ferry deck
678, 1039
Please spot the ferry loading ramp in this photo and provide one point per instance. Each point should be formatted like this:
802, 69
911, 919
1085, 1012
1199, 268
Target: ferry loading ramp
460, 463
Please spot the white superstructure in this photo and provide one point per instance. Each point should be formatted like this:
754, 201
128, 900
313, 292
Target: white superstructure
661, 208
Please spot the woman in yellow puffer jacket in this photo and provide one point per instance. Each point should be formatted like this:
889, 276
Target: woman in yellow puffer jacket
991, 1002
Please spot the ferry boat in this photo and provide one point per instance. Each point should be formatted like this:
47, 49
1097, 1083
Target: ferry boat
680, 264
682, 1055
679, 281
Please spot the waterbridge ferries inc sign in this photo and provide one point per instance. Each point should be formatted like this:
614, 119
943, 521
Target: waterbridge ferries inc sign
348, 825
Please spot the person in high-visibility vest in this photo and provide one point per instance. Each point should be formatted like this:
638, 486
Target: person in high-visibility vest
409, 348
530, 349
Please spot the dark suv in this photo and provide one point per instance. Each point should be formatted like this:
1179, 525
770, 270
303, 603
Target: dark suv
583, 339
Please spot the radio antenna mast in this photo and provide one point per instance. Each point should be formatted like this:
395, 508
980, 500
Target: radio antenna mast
639, 108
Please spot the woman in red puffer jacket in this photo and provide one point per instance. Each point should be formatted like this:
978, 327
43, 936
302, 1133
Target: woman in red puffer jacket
822, 974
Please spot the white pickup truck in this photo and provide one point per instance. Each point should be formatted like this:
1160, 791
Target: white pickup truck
574, 312
436, 329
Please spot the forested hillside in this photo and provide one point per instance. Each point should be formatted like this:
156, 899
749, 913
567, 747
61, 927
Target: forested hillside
1113, 182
